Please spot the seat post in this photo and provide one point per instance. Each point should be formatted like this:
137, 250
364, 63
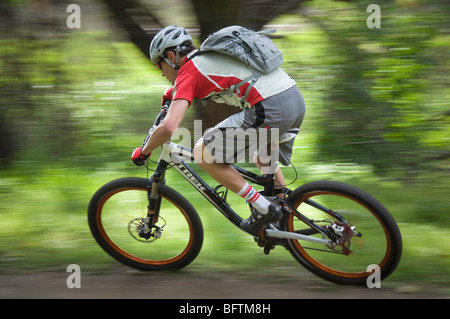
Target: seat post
268, 184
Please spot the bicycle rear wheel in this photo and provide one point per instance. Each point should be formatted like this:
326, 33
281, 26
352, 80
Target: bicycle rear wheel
375, 242
117, 211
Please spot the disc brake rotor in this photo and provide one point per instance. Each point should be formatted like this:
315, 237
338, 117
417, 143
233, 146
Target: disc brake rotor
139, 230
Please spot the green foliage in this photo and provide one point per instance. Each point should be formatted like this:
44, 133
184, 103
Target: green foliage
75, 97
383, 92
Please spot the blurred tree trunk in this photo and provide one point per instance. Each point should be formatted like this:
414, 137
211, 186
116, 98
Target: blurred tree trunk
214, 15
126, 14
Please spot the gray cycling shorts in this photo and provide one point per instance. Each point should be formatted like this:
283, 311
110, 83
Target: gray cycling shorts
257, 130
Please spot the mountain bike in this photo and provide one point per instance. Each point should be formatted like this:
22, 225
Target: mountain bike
334, 230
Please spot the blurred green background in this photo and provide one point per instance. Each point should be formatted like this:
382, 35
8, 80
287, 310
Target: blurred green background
75, 102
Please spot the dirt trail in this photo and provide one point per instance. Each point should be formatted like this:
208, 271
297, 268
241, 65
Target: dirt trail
126, 284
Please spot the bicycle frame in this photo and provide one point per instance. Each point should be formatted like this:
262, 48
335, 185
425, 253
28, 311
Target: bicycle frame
174, 153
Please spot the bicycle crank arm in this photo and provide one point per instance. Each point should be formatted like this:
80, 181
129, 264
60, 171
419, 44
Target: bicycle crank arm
289, 235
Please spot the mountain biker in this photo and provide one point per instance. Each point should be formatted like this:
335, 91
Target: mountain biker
274, 102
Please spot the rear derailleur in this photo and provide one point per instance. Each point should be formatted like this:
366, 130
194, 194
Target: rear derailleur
343, 233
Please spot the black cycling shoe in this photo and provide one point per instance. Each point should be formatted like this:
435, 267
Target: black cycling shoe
256, 221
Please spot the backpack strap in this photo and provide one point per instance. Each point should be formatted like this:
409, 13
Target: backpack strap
193, 54
251, 80
234, 88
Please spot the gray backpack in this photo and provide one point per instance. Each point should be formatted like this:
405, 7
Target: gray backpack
250, 47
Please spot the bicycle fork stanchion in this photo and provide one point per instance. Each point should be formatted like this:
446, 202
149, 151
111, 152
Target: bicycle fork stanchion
154, 204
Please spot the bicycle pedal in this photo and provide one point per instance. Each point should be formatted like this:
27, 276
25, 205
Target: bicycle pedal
268, 247
261, 239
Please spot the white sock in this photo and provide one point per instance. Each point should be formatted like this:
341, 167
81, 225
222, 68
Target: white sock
260, 203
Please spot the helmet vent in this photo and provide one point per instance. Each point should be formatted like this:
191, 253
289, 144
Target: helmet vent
176, 35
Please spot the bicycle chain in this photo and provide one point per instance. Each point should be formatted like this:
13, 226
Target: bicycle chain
325, 250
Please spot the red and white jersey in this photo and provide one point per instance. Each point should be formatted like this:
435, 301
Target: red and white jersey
207, 75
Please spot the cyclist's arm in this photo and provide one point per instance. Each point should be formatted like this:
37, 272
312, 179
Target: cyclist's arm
171, 122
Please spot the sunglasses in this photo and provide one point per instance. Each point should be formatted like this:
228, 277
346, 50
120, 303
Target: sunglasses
160, 60
158, 64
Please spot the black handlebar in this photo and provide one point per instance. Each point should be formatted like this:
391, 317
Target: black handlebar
159, 118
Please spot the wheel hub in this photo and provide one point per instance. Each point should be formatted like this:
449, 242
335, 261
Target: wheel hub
140, 230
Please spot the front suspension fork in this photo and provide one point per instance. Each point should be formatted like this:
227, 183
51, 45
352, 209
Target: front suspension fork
154, 201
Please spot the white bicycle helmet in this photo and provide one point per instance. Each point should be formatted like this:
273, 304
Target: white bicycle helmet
171, 36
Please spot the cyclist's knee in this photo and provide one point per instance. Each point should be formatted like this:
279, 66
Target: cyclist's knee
198, 150
201, 154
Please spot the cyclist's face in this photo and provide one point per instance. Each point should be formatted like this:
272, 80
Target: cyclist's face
166, 70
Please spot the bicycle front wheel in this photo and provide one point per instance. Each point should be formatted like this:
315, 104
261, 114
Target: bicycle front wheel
117, 211
373, 244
